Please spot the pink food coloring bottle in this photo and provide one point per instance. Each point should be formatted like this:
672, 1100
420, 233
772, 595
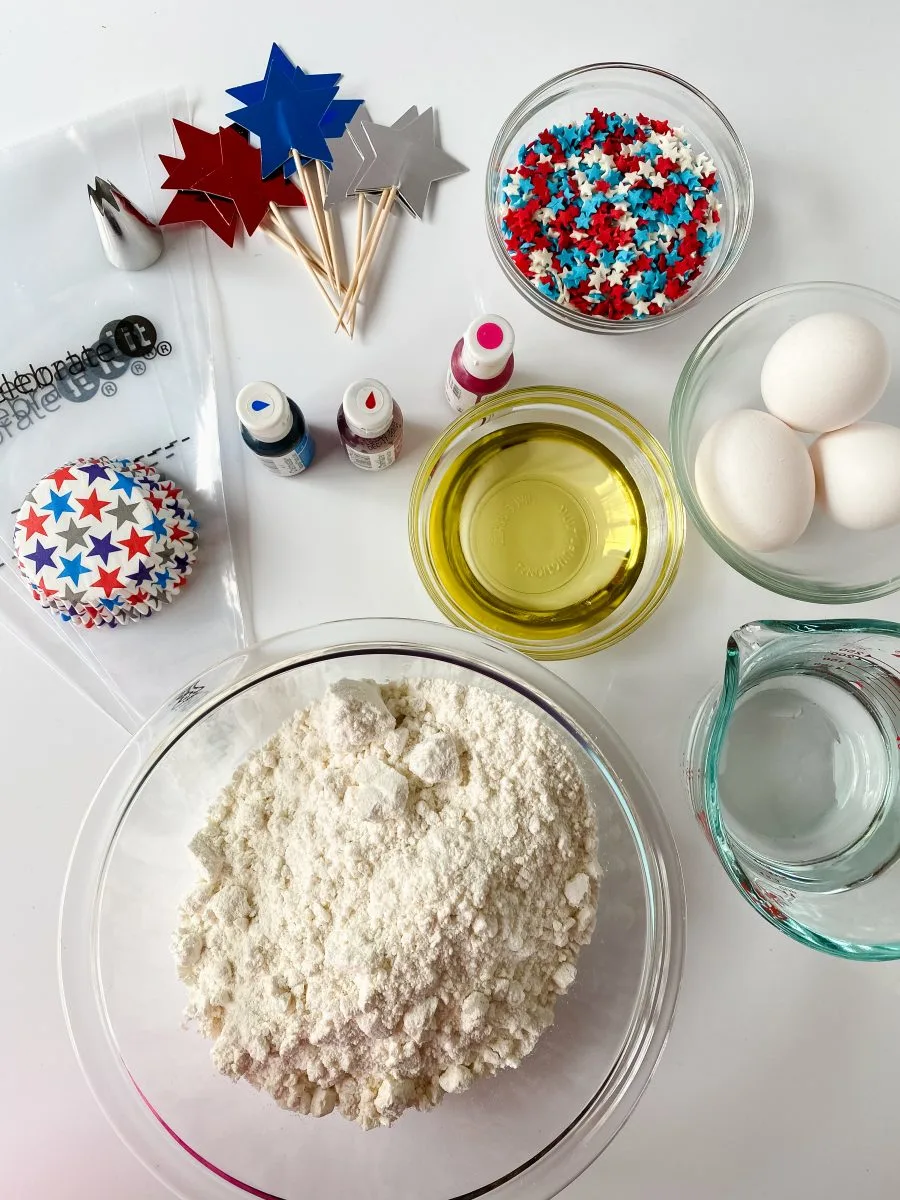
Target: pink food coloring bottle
481, 363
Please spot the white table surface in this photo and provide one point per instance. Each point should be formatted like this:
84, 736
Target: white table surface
779, 1079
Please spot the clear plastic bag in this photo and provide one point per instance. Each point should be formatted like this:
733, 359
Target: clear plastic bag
152, 396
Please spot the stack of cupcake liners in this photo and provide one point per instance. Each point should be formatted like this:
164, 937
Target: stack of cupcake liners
102, 542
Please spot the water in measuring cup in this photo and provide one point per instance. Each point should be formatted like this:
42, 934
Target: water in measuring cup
805, 769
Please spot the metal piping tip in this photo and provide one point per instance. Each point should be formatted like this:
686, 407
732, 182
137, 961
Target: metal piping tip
130, 241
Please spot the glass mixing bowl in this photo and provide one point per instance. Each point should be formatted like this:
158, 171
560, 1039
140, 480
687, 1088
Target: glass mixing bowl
635, 448
631, 89
524, 1134
829, 564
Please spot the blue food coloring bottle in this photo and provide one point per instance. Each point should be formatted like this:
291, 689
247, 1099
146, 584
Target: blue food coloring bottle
273, 427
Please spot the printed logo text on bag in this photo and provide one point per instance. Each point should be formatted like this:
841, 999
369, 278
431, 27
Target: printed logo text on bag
128, 344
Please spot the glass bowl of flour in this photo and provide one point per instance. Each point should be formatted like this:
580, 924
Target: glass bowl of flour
380, 870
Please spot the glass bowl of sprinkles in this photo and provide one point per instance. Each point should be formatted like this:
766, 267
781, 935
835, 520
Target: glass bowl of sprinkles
617, 195
548, 518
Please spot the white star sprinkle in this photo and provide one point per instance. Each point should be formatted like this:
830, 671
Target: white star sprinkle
641, 308
645, 168
599, 276
541, 261
631, 178
658, 181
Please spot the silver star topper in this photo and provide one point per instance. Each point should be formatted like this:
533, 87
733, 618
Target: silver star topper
425, 164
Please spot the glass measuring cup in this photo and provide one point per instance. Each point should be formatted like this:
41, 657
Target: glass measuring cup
793, 770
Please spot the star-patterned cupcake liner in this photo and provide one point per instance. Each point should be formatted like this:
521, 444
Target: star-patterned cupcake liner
105, 541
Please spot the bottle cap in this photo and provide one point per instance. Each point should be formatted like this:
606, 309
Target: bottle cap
487, 345
368, 408
263, 410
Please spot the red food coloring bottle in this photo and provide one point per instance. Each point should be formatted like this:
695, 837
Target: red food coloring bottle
370, 425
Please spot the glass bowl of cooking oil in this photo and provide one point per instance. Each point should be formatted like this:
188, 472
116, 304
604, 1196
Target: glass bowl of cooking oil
548, 518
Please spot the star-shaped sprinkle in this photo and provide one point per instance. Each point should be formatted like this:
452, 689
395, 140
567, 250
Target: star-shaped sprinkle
42, 556
102, 547
33, 523
135, 544
73, 535
73, 568
58, 504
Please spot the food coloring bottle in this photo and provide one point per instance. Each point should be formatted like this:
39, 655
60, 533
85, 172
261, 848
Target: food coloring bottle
273, 427
370, 425
481, 363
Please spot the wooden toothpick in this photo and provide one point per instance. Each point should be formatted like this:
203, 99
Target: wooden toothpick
373, 237
296, 244
314, 204
384, 204
357, 245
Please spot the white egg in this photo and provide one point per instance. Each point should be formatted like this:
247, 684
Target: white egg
858, 475
755, 480
825, 372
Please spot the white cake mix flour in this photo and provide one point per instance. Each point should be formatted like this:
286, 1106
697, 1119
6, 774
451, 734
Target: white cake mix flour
397, 888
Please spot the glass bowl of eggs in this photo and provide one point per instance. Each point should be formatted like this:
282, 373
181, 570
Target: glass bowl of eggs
785, 440
616, 196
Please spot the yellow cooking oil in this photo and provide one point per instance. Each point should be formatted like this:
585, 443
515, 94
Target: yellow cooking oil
537, 530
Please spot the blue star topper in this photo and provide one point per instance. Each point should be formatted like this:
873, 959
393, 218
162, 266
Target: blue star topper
289, 110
